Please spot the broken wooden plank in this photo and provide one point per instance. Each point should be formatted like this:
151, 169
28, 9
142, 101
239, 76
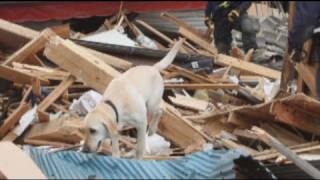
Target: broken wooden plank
19, 77
189, 102
197, 40
309, 75
189, 86
272, 155
159, 34
64, 130
55, 94
302, 164
14, 118
16, 164
13, 35
180, 23
83, 65
62, 30
179, 130
31, 47
251, 68
290, 115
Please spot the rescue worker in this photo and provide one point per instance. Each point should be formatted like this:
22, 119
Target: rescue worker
306, 25
228, 15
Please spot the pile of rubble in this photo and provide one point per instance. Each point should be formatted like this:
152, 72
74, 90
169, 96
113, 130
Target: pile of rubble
52, 82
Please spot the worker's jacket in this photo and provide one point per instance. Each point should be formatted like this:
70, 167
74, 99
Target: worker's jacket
220, 9
305, 21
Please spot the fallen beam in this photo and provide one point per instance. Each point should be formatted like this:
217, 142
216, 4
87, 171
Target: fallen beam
83, 65
13, 35
14, 118
55, 94
201, 86
17, 164
19, 77
251, 68
32, 47
197, 40
302, 164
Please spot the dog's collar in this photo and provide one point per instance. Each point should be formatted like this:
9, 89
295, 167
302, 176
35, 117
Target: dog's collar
110, 103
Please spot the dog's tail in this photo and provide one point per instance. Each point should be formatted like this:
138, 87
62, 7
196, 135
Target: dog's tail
167, 60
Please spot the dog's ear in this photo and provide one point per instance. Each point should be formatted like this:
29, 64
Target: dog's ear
110, 125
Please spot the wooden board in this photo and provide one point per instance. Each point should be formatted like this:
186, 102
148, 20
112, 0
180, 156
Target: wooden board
197, 40
179, 130
251, 68
201, 86
14, 118
19, 77
16, 164
309, 75
83, 65
13, 36
189, 102
55, 94
32, 47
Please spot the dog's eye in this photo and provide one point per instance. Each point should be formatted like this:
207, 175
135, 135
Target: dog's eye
92, 131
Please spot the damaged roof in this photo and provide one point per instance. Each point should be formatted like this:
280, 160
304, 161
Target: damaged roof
212, 164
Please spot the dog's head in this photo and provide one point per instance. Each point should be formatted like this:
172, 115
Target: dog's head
97, 130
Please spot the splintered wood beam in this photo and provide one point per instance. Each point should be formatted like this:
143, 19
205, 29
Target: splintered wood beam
85, 66
179, 130
55, 94
201, 86
180, 23
31, 47
308, 73
251, 68
289, 115
274, 143
14, 118
159, 34
19, 77
13, 35
197, 40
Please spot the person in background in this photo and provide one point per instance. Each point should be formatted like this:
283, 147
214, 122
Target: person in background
306, 26
228, 15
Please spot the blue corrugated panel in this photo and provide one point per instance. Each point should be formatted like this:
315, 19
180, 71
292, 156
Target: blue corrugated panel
212, 164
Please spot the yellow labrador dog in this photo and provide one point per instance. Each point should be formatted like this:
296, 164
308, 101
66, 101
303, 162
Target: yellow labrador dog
128, 101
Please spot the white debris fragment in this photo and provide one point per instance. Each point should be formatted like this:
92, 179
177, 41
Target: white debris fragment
157, 145
28, 118
271, 89
146, 42
234, 79
207, 146
111, 37
86, 102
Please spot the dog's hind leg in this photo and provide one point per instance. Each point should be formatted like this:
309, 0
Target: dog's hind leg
153, 126
141, 139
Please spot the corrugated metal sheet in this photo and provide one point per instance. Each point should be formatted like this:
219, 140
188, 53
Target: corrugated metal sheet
213, 164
